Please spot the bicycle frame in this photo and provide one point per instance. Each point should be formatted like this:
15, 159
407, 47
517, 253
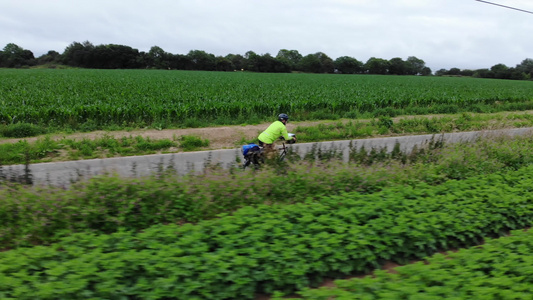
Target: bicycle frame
255, 154
258, 157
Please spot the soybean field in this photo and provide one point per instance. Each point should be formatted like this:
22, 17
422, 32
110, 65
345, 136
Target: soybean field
83, 98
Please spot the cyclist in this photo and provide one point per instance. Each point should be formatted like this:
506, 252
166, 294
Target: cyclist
272, 133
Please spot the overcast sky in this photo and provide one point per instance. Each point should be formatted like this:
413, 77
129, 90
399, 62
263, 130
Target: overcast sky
466, 34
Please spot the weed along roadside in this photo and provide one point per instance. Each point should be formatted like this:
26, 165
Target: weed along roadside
65, 173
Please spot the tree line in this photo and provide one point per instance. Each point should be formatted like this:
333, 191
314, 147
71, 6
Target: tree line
112, 56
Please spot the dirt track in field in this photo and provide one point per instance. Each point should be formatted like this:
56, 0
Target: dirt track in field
221, 137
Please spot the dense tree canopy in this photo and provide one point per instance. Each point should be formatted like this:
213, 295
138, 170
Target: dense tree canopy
290, 57
348, 65
112, 56
377, 66
13, 56
522, 71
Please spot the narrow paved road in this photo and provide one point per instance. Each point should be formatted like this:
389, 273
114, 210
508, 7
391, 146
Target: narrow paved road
64, 173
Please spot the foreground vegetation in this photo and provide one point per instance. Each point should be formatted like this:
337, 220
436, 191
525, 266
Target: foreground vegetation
499, 269
275, 247
107, 204
87, 100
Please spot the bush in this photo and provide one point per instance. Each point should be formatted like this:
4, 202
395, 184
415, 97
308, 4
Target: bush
190, 142
21, 130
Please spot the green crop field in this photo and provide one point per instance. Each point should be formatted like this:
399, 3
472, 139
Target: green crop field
226, 234
80, 99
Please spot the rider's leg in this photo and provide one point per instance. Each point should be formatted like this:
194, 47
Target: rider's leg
270, 151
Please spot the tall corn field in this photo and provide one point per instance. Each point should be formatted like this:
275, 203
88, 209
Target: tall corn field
143, 97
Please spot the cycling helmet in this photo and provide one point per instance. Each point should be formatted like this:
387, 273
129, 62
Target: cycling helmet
283, 117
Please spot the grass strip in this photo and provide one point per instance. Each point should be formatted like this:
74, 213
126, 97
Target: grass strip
46, 149
386, 125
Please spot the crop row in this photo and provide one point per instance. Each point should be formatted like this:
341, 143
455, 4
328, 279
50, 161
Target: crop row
272, 247
86, 98
499, 269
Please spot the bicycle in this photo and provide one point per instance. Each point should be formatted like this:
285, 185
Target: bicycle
254, 154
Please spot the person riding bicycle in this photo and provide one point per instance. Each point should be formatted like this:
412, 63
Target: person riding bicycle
276, 130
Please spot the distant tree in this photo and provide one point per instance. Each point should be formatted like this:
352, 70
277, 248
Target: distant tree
316, 63
310, 63
157, 58
377, 66
179, 61
14, 56
516, 74
326, 62
223, 64
482, 73
264, 63
50, 57
28, 57
86, 55
238, 61
526, 66
467, 72
398, 66
114, 57
202, 60
142, 60
454, 71
250, 59
441, 72
290, 57
500, 71
415, 65
281, 66
78, 54
348, 65
426, 71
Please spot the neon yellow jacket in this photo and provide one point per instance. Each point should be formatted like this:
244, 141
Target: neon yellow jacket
273, 132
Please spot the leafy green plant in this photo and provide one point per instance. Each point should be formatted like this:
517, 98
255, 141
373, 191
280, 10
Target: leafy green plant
274, 247
190, 142
149, 145
499, 270
21, 130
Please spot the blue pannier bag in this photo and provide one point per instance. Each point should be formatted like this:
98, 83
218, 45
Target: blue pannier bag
250, 147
